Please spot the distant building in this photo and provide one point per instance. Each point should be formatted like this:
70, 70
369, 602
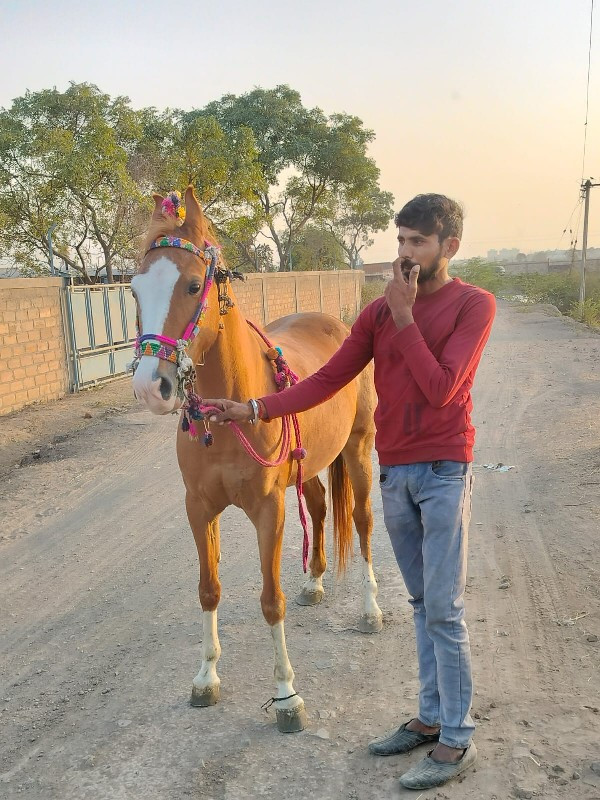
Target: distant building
8, 269
382, 270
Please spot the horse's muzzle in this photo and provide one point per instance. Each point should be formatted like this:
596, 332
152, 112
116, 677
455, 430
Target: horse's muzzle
155, 387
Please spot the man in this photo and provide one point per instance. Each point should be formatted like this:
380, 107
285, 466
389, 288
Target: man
426, 336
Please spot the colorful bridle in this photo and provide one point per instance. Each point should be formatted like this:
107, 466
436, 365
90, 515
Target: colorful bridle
175, 350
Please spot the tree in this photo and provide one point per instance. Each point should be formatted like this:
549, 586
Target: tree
179, 148
317, 249
222, 165
241, 248
304, 157
64, 160
356, 214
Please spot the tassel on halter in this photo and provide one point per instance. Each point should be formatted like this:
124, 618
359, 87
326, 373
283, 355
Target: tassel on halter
173, 207
191, 412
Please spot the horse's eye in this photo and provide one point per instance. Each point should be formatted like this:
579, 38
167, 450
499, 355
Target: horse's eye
194, 288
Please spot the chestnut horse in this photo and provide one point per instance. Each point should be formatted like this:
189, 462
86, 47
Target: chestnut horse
230, 359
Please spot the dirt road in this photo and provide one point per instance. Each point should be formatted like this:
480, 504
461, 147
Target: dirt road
100, 625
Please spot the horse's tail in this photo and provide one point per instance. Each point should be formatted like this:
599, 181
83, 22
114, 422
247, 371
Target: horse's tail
342, 501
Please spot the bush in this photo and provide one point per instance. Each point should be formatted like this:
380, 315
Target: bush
559, 290
590, 313
480, 273
371, 290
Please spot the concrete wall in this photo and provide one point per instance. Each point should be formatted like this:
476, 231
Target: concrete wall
545, 267
33, 364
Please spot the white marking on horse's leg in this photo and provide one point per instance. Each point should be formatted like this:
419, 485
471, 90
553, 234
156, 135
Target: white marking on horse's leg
370, 607
314, 584
211, 652
284, 674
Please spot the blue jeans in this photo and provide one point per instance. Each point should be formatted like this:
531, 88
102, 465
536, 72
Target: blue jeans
427, 507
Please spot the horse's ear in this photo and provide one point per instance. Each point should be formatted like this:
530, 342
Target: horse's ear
194, 226
158, 200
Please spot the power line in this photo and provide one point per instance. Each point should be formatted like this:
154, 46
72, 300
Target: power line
587, 93
517, 238
578, 203
580, 199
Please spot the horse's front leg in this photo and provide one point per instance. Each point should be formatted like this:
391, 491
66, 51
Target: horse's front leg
268, 519
205, 686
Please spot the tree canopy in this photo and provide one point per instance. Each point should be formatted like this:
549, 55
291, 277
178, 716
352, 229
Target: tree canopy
278, 179
64, 163
304, 157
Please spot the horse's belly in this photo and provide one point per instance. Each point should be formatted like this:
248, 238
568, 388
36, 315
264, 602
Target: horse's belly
325, 429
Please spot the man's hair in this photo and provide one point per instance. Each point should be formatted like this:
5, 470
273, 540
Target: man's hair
432, 213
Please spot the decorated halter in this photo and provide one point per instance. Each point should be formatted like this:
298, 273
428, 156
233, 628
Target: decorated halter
175, 350
163, 347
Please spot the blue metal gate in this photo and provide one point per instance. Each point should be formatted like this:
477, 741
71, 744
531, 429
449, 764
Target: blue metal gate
101, 322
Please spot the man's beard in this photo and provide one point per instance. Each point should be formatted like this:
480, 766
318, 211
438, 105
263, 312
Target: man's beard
425, 275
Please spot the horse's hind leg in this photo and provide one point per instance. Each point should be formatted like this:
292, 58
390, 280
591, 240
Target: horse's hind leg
357, 455
268, 518
206, 684
312, 591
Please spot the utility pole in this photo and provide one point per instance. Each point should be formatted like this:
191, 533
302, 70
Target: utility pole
50, 251
585, 190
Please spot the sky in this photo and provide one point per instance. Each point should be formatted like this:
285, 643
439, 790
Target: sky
482, 100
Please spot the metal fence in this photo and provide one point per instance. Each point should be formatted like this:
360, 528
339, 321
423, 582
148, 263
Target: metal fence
101, 320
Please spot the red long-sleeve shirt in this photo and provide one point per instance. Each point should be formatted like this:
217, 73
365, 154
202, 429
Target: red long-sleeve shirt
423, 374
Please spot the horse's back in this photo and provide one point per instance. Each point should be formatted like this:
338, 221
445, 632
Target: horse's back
307, 339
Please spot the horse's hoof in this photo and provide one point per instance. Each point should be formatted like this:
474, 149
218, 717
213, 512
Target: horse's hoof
207, 696
306, 598
370, 623
291, 720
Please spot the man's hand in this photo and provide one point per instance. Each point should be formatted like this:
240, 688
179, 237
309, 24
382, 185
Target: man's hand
401, 294
230, 411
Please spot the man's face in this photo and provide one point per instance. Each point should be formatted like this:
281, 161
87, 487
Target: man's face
416, 248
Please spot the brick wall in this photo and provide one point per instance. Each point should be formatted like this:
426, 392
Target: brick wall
266, 297
33, 363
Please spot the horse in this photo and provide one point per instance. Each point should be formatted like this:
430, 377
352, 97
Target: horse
231, 358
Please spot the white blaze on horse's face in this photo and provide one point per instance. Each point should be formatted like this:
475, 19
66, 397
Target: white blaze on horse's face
155, 380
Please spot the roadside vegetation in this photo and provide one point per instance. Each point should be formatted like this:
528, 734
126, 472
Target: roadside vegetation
558, 289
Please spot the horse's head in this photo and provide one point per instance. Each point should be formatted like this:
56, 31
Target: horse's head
177, 304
